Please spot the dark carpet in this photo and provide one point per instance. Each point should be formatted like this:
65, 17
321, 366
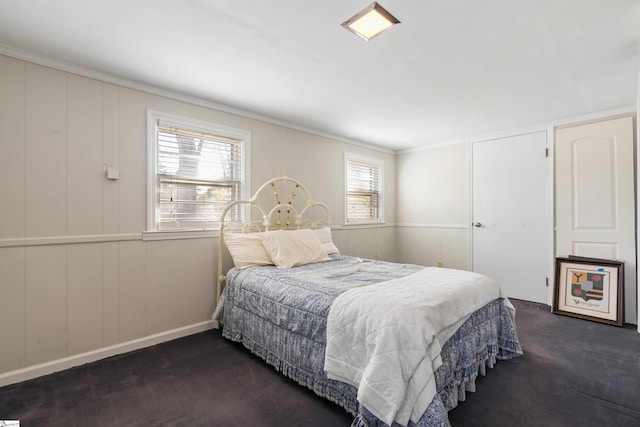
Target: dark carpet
574, 373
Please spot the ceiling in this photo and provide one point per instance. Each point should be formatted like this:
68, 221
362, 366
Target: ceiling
453, 69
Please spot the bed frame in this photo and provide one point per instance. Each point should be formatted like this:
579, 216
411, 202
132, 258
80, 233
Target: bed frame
284, 203
265, 211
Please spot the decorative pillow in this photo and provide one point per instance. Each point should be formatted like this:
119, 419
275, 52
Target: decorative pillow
324, 234
289, 248
246, 250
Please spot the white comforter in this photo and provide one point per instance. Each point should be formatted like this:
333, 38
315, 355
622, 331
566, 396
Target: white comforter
385, 339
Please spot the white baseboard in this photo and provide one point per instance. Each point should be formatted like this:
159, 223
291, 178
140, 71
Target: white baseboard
46, 368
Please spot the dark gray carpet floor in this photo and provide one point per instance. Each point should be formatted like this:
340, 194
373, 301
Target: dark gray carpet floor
574, 373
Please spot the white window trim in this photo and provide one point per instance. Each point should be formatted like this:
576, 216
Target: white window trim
152, 233
374, 162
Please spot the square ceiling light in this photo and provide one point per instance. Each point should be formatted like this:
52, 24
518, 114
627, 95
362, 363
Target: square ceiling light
370, 21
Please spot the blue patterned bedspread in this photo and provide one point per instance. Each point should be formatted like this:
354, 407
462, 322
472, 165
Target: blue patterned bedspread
281, 316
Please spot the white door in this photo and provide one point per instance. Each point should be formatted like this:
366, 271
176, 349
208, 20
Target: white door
595, 205
509, 212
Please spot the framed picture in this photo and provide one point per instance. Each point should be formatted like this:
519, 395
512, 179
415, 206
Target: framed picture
590, 288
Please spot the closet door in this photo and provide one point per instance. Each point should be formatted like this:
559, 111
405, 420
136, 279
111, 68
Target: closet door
595, 210
510, 214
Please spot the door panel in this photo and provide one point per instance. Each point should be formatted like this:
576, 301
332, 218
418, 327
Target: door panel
595, 207
509, 211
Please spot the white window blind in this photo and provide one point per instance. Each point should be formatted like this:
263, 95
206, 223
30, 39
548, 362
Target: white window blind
198, 172
364, 189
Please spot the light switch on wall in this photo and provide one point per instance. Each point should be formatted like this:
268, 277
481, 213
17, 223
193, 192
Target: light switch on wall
113, 173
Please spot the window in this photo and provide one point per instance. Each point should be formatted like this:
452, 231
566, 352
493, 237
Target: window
198, 168
363, 189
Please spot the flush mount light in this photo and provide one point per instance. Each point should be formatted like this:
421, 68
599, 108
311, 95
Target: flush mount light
370, 21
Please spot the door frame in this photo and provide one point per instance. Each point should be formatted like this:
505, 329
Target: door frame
550, 235
637, 171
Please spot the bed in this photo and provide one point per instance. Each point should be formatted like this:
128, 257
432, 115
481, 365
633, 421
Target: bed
393, 344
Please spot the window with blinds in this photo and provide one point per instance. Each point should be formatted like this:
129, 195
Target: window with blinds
198, 171
363, 189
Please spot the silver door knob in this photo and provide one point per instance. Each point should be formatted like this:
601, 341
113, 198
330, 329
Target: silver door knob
477, 224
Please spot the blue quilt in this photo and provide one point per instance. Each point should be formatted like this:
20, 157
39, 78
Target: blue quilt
281, 316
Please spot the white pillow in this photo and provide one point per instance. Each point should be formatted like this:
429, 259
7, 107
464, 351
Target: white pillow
289, 248
324, 234
246, 250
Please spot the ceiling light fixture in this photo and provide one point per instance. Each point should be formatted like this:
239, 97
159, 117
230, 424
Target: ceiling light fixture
370, 21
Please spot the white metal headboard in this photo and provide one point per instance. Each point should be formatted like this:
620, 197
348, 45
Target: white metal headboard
279, 204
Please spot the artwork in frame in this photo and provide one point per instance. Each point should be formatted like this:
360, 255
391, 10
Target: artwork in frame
590, 288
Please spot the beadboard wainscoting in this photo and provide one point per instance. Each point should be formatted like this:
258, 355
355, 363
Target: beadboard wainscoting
65, 304
442, 245
81, 275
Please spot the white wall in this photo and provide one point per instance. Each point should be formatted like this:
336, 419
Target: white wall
77, 282
433, 206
